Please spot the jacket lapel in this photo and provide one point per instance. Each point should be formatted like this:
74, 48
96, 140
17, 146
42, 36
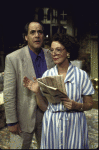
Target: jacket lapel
27, 64
48, 58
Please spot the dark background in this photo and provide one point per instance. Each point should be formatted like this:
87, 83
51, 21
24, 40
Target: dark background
14, 15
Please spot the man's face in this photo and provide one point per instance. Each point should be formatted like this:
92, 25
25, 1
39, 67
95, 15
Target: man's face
35, 36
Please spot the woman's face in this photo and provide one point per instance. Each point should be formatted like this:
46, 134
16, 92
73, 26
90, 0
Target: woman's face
58, 52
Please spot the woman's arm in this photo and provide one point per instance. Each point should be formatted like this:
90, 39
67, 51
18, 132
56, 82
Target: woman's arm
87, 102
41, 101
34, 86
72, 105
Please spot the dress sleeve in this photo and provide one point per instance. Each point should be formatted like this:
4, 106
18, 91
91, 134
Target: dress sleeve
45, 74
87, 87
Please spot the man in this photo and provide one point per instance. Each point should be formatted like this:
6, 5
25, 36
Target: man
23, 116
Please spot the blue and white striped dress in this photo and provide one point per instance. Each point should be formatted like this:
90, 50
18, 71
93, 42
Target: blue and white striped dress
65, 130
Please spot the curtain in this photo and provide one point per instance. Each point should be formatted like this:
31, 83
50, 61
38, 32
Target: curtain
94, 58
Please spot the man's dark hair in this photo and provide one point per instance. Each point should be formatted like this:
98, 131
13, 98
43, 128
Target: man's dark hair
27, 26
70, 43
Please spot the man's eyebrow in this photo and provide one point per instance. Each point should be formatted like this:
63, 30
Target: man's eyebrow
32, 31
36, 30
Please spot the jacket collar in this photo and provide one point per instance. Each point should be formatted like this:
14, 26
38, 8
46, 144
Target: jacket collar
27, 63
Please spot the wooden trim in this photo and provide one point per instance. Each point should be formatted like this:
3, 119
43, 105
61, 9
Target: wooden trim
95, 104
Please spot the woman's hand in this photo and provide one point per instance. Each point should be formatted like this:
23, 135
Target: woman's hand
71, 104
33, 86
68, 103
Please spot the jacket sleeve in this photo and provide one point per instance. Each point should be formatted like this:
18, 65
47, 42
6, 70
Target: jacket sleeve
10, 91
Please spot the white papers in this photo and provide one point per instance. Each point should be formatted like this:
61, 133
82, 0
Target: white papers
53, 88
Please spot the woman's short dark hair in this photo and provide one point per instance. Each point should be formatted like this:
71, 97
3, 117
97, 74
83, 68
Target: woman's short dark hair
70, 43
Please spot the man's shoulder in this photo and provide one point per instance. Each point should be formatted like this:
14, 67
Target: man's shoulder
46, 51
18, 52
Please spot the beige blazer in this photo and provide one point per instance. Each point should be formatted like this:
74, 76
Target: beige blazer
20, 103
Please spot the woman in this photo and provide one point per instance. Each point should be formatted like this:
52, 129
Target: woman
64, 124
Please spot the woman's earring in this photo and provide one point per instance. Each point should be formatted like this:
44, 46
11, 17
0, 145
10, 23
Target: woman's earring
68, 55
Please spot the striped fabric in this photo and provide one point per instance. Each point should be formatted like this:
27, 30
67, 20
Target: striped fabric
65, 130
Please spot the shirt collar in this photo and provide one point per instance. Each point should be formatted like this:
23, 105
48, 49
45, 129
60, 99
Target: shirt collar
34, 56
70, 73
41, 54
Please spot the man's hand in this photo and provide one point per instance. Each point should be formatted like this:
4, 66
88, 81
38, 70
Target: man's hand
15, 129
2, 73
